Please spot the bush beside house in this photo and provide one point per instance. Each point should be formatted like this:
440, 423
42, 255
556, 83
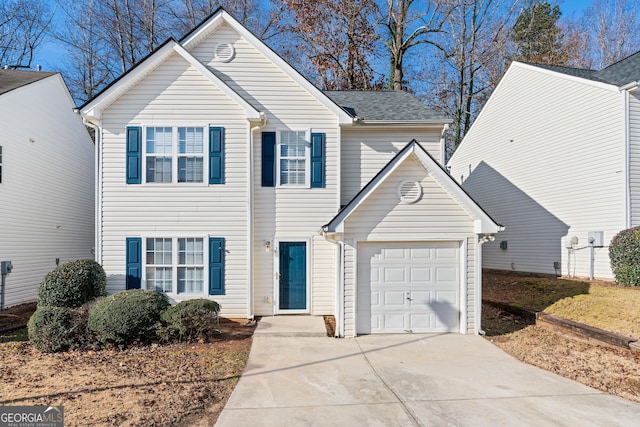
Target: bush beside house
624, 254
73, 312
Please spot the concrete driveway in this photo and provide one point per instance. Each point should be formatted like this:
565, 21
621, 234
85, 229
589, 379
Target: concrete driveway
408, 380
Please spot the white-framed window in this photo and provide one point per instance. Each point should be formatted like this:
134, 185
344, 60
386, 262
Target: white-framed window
175, 265
184, 144
293, 154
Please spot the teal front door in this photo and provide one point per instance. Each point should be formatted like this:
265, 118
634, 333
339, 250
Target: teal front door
293, 276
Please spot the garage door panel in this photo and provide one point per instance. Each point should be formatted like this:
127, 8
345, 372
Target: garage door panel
395, 274
408, 287
446, 297
446, 274
422, 275
394, 299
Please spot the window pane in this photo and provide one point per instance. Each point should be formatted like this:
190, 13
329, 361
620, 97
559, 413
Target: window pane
190, 169
159, 251
191, 270
190, 279
159, 140
158, 169
160, 279
292, 172
190, 140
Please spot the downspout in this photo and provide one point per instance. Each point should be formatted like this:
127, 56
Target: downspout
443, 153
98, 194
250, 243
627, 147
478, 268
339, 301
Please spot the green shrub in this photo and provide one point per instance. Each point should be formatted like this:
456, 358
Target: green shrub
72, 284
127, 316
190, 320
53, 329
624, 253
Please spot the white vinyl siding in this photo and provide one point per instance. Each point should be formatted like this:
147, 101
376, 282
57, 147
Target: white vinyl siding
435, 217
634, 157
176, 95
287, 213
545, 158
365, 151
47, 185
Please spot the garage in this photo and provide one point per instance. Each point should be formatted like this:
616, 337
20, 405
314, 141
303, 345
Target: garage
408, 287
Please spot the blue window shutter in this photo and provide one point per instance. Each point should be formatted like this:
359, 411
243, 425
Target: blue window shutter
318, 155
134, 262
268, 159
216, 155
216, 266
134, 155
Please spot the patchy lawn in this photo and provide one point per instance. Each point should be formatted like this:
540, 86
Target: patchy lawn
612, 370
599, 304
179, 384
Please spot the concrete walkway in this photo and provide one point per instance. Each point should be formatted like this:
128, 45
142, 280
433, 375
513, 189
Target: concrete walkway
406, 380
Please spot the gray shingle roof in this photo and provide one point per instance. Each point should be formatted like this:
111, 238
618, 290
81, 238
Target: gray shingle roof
13, 79
384, 106
625, 71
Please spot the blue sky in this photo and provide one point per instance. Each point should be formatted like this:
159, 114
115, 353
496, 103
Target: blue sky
51, 55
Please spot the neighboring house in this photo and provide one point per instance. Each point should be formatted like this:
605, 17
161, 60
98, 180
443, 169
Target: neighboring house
555, 154
224, 174
46, 180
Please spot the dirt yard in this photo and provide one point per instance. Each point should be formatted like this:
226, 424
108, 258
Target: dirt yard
179, 385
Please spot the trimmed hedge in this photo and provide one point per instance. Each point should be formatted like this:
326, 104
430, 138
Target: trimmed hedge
190, 320
624, 254
127, 317
53, 329
72, 284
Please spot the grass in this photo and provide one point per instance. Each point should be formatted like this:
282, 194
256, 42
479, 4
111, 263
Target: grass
606, 307
602, 305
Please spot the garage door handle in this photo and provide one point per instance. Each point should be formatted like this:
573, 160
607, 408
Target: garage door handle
409, 296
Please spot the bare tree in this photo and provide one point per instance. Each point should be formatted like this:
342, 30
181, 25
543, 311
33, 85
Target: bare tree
612, 26
23, 27
408, 24
89, 65
256, 15
474, 60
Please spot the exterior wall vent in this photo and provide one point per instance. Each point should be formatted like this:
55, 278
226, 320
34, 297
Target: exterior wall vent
409, 191
225, 52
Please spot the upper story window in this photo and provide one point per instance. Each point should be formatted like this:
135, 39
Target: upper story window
163, 145
294, 149
293, 158
175, 155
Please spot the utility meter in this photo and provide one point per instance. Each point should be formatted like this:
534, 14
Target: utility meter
6, 267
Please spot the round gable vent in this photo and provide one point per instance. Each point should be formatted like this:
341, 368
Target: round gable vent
224, 52
410, 191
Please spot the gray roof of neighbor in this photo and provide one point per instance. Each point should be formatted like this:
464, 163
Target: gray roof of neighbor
620, 73
13, 79
384, 106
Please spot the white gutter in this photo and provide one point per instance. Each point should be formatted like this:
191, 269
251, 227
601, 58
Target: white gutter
478, 268
339, 297
443, 153
627, 145
630, 86
98, 184
263, 122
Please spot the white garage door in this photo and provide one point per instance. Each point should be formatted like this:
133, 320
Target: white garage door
408, 287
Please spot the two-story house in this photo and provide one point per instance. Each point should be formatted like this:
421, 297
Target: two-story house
223, 173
